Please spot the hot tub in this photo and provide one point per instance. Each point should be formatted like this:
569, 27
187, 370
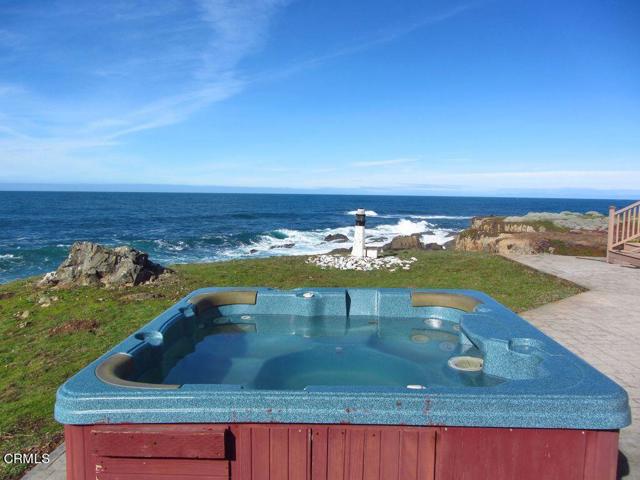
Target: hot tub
249, 383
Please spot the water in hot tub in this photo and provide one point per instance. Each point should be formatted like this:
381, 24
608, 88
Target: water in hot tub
274, 352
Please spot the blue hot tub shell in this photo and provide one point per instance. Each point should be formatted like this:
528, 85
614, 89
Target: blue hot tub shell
538, 382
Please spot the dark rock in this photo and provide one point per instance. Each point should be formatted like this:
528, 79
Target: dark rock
451, 244
92, 264
433, 246
253, 250
375, 239
284, 245
5, 295
336, 237
140, 296
542, 245
340, 251
405, 242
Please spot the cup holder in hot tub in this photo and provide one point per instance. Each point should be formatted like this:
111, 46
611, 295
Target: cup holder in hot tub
527, 346
466, 363
516, 359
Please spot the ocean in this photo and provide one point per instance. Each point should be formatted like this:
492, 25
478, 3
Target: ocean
37, 228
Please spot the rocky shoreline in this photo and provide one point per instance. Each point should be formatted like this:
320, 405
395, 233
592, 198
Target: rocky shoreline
91, 264
565, 233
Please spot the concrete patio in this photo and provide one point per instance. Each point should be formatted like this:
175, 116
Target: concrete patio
601, 325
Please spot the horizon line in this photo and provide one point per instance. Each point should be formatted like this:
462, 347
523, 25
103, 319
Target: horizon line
559, 194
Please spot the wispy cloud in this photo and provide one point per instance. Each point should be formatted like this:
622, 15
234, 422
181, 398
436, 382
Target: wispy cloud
239, 27
381, 37
383, 163
235, 29
165, 111
69, 132
426, 179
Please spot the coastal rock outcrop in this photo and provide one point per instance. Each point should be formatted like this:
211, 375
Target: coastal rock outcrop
411, 242
565, 233
336, 237
503, 243
405, 242
284, 245
96, 265
590, 221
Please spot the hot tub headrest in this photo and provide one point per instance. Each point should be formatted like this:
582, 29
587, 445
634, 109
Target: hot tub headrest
115, 369
205, 301
450, 300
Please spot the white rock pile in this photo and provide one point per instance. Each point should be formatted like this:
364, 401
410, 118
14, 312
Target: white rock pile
364, 264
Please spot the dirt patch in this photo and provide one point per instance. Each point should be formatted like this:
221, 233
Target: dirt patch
48, 447
25, 426
75, 326
10, 393
6, 295
140, 296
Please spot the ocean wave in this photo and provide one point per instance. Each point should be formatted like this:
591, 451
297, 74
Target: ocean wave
369, 213
177, 246
427, 217
310, 242
211, 246
441, 217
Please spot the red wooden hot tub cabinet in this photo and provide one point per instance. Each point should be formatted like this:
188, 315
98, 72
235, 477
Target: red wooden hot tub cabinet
336, 452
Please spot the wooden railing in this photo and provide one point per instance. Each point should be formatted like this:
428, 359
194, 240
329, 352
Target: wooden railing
624, 225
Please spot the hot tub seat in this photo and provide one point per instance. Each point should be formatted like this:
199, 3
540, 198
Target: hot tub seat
459, 301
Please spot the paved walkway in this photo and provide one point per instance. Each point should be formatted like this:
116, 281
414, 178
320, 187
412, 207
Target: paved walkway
601, 325
56, 469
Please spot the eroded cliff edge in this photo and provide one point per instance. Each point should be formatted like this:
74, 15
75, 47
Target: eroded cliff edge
565, 233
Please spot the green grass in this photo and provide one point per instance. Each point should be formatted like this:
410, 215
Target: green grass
544, 226
40, 352
561, 247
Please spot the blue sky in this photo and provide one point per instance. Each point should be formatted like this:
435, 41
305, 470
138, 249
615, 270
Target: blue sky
498, 97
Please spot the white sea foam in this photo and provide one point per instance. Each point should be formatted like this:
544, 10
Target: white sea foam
9, 256
310, 242
173, 247
427, 217
369, 213
441, 217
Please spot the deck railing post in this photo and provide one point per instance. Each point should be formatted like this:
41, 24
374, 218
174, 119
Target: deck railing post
610, 233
